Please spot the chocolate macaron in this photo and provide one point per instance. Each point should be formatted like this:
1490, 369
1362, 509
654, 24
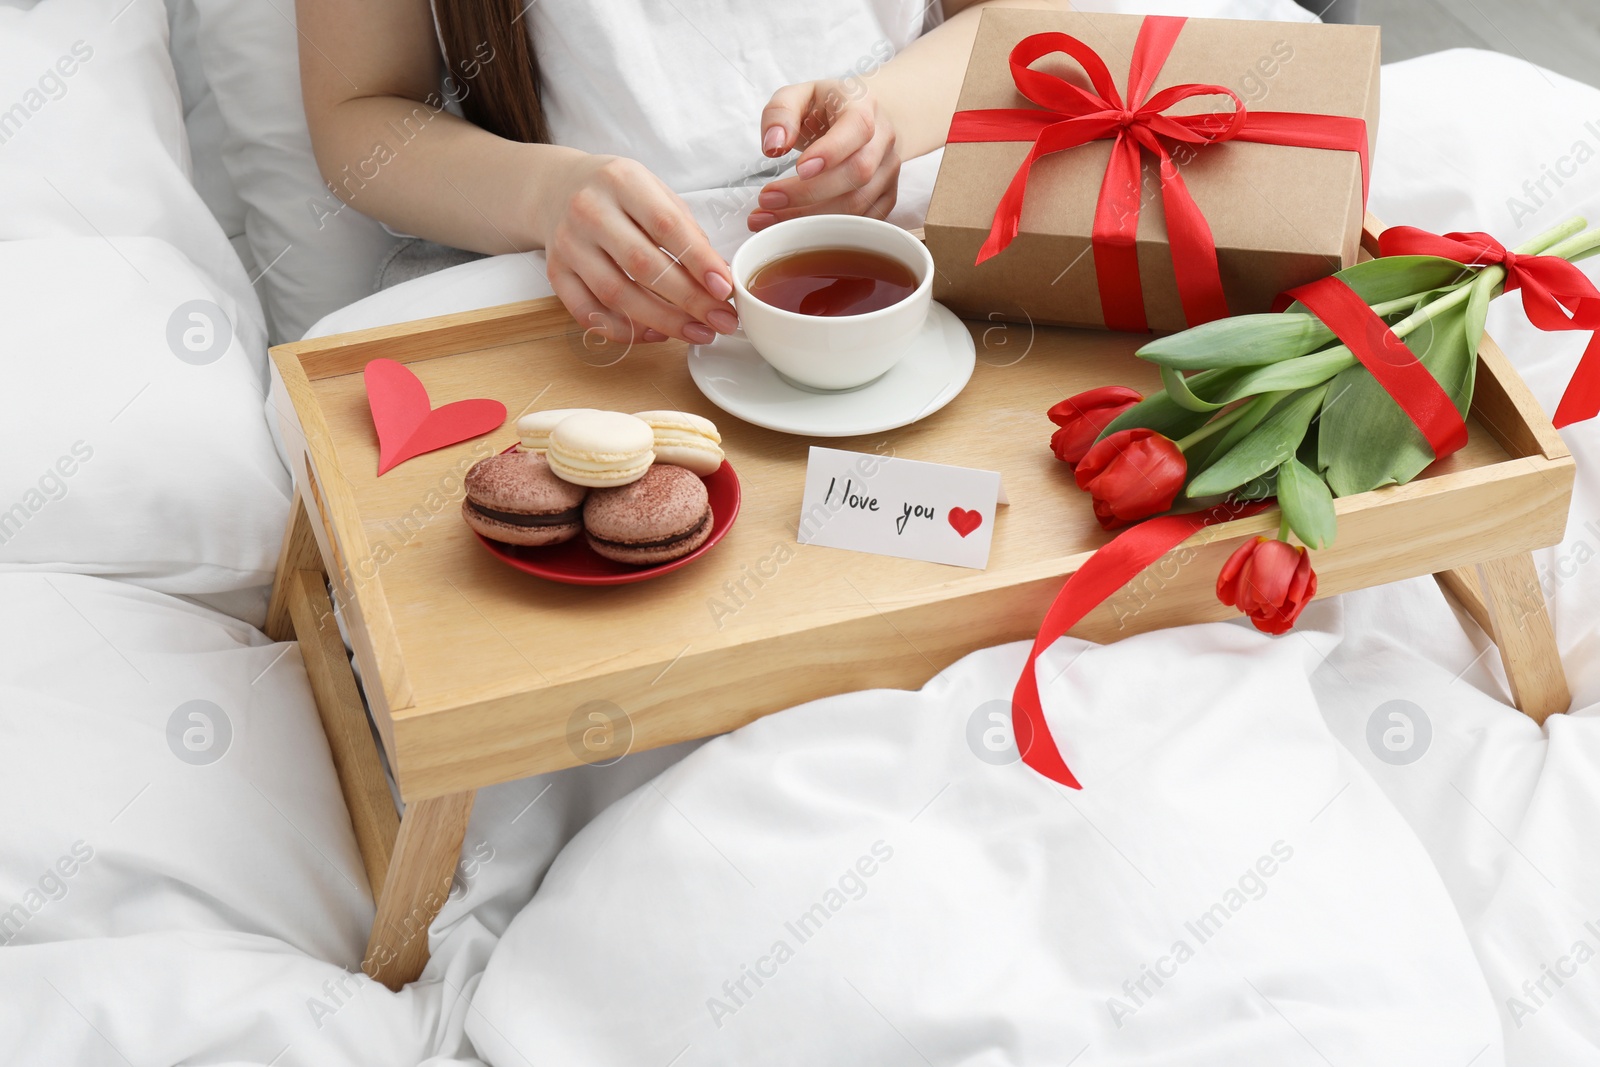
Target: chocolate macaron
661, 517
516, 499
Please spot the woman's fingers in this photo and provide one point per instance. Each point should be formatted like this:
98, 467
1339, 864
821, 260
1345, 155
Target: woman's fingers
781, 118
848, 131
589, 312
661, 274
851, 174
630, 262
882, 206
862, 200
649, 260
667, 223
627, 297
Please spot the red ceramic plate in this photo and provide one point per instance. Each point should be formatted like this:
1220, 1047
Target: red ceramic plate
575, 563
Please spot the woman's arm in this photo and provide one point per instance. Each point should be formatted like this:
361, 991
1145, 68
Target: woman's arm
919, 86
370, 75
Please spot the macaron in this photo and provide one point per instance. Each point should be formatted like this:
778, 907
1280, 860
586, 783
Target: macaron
534, 427
661, 517
514, 498
601, 448
686, 440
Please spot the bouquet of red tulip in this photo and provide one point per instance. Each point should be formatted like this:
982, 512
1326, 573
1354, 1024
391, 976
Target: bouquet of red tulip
1278, 405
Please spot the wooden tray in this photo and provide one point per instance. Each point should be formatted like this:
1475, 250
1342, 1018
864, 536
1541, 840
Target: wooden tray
474, 671
477, 674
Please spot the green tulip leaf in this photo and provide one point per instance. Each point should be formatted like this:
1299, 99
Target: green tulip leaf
1300, 373
1378, 281
1178, 389
1262, 488
1259, 340
1202, 453
1478, 309
1159, 412
1307, 504
1364, 438
1241, 341
1267, 447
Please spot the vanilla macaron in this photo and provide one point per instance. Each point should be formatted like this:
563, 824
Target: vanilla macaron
601, 449
686, 440
534, 427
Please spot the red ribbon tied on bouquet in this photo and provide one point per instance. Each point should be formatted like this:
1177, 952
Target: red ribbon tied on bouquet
1113, 566
1396, 368
1556, 295
1073, 116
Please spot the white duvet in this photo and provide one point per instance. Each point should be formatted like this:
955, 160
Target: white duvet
1252, 875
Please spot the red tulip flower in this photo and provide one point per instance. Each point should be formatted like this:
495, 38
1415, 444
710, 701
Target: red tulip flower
1270, 581
1082, 418
1132, 475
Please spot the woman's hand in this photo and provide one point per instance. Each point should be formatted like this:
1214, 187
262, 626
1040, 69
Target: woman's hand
604, 235
849, 164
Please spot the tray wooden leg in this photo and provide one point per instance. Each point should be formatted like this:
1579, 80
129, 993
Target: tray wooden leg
409, 860
344, 721
1503, 597
299, 553
425, 856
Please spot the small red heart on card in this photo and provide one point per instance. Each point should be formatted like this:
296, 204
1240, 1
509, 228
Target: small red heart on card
407, 422
964, 521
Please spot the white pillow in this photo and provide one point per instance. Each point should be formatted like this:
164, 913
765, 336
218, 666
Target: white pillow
165, 770
92, 137
135, 443
865, 879
314, 253
202, 120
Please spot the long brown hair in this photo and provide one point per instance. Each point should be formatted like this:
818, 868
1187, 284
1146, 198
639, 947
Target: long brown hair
491, 59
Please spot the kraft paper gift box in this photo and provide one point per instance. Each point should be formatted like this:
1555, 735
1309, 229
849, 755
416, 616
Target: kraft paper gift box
1280, 215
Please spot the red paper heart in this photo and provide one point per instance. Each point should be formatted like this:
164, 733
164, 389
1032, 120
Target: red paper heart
407, 423
964, 521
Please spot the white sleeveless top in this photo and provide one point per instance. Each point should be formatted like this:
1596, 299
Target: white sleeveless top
679, 84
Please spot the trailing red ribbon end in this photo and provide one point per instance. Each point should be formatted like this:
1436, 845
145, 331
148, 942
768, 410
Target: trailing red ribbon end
1113, 566
1402, 375
1073, 116
1556, 295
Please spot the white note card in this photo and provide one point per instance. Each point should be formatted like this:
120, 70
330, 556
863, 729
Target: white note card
899, 507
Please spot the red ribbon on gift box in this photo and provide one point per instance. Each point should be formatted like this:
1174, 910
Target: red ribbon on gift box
1073, 116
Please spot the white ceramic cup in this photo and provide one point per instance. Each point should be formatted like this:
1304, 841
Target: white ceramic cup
832, 353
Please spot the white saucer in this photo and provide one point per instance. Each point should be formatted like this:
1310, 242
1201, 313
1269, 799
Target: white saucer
737, 380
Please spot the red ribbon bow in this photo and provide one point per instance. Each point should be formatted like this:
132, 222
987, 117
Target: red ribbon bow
1074, 116
1556, 295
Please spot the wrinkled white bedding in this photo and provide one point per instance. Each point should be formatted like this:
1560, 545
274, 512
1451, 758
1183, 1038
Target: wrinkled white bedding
161, 906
